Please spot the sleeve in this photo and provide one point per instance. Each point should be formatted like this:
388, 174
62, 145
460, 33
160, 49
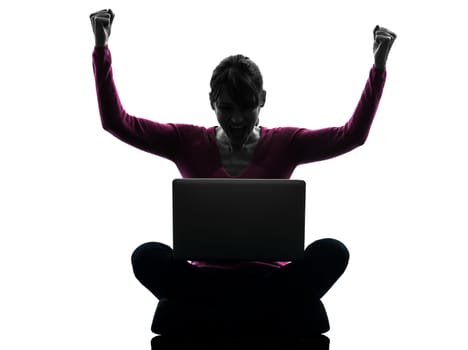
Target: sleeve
314, 145
150, 136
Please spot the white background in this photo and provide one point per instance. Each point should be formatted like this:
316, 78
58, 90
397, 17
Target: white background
75, 202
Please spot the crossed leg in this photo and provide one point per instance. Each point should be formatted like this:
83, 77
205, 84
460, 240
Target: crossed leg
324, 262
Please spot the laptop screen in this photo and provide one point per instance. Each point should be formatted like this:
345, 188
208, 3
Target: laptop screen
238, 219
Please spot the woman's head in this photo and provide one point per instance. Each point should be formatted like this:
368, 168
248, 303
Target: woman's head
241, 79
236, 96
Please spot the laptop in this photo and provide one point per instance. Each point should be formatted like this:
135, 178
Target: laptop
238, 219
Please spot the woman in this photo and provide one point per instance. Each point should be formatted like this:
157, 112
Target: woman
238, 147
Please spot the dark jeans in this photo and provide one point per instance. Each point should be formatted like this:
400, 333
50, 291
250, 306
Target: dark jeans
324, 262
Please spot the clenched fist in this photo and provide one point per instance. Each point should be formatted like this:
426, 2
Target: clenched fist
383, 41
101, 22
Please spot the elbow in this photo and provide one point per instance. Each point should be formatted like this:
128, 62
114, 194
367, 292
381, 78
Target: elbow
354, 137
356, 142
361, 141
114, 122
108, 125
360, 138
112, 129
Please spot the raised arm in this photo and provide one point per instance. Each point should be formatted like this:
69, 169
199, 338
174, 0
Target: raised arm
313, 145
160, 139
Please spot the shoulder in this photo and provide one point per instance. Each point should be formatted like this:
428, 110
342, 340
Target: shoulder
190, 128
281, 132
190, 133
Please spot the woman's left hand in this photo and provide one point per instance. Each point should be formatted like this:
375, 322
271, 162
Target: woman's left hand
383, 41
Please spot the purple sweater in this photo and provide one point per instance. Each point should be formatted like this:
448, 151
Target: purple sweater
194, 151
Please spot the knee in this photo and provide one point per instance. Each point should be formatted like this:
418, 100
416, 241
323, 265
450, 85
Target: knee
151, 253
328, 250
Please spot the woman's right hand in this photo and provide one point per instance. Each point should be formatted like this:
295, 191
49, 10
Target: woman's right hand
101, 22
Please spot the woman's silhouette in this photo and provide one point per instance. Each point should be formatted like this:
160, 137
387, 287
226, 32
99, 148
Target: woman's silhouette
239, 147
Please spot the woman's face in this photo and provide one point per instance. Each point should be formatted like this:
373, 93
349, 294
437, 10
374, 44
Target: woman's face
236, 121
